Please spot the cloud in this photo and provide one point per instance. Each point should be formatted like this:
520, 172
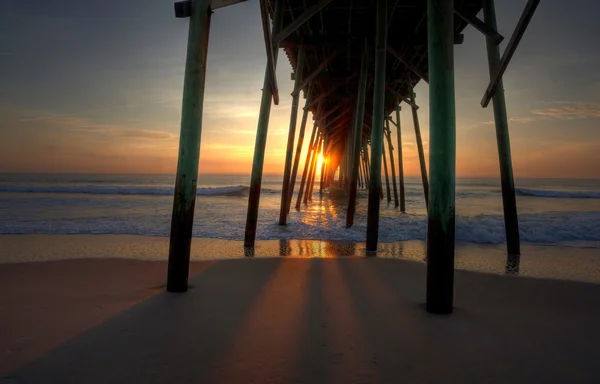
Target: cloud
85, 126
571, 112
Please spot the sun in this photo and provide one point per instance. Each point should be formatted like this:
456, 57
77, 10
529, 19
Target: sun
320, 163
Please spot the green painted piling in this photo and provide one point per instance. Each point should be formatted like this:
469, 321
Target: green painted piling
511, 220
299, 147
366, 164
357, 135
442, 156
311, 146
393, 166
313, 169
385, 169
285, 188
261, 137
360, 176
184, 199
420, 148
400, 161
377, 126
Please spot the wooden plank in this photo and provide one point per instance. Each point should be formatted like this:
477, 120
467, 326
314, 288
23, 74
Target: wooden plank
510, 49
400, 97
409, 65
269, 48
216, 4
481, 27
303, 18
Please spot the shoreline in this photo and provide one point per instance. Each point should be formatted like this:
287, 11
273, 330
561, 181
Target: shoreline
537, 261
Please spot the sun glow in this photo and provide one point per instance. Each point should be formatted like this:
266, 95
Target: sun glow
320, 163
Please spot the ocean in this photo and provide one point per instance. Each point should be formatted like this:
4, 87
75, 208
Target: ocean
556, 212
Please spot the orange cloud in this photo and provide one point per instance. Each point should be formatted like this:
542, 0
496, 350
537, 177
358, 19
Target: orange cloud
581, 111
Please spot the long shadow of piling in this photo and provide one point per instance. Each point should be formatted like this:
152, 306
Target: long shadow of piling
163, 338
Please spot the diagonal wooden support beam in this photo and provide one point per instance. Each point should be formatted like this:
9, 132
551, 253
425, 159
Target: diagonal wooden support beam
321, 67
482, 27
216, 4
391, 120
335, 119
510, 50
269, 48
333, 88
400, 97
303, 18
342, 103
409, 65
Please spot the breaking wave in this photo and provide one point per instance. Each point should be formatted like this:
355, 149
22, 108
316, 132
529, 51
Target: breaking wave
558, 194
237, 190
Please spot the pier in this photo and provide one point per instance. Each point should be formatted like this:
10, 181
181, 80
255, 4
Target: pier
356, 64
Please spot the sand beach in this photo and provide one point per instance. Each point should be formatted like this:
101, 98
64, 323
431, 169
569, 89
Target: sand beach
101, 315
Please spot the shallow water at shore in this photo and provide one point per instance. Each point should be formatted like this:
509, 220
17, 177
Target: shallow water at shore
557, 212
570, 263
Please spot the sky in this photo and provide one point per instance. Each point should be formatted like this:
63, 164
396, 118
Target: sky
96, 87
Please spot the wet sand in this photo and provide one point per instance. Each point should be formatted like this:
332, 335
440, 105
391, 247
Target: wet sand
43, 304
570, 263
294, 320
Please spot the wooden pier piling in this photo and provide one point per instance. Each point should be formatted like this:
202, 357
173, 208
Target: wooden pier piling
420, 146
388, 135
305, 174
313, 169
400, 160
511, 221
377, 126
385, 170
299, 147
442, 157
184, 199
357, 135
285, 188
261, 137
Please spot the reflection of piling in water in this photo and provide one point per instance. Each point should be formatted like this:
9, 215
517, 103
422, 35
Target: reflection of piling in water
332, 68
513, 264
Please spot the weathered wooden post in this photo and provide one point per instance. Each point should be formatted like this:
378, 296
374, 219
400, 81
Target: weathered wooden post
365, 154
313, 168
261, 136
323, 164
305, 175
299, 147
377, 126
361, 179
442, 156
285, 188
357, 135
511, 221
420, 148
385, 170
388, 134
400, 161
184, 199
